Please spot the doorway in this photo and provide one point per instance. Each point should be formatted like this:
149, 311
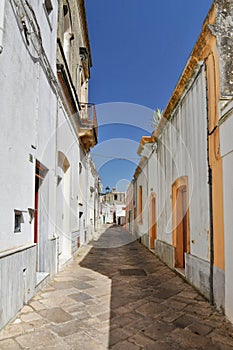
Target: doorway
153, 227
181, 234
181, 239
63, 207
40, 173
114, 217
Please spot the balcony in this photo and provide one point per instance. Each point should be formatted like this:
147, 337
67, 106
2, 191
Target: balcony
88, 128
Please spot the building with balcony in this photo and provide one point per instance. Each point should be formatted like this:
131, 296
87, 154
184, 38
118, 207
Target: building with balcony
77, 131
49, 185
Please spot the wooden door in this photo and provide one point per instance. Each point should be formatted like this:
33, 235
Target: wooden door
152, 222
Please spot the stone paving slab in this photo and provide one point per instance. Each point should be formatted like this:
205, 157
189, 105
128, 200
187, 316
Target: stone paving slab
117, 295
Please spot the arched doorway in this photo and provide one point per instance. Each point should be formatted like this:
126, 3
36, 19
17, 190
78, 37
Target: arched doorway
63, 204
153, 226
40, 212
180, 215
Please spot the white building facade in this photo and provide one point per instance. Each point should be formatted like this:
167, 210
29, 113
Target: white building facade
182, 199
113, 207
226, 129
49, 186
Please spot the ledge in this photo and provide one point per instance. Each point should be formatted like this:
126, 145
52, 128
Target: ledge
16, 250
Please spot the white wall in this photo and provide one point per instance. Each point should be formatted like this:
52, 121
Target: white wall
35, 127
226, 145
182, 151
141, 227
67, 186
28, 119
27, 113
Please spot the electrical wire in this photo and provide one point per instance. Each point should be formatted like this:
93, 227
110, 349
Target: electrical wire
114, 156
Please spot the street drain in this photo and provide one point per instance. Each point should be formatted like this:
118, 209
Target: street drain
132, 272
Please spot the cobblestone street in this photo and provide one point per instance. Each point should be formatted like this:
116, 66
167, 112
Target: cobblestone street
118, 295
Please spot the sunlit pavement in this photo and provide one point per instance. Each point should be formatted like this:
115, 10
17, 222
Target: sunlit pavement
117, 295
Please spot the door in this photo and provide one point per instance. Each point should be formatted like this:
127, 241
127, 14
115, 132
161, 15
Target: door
152, 221
36, 209
114, 217
181, 220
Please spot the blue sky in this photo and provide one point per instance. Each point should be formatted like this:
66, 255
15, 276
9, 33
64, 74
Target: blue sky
139, 49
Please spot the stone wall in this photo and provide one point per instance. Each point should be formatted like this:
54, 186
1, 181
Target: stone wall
224, 34
17, 280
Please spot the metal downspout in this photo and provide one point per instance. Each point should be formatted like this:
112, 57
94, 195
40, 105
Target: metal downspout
211, 278
211, 237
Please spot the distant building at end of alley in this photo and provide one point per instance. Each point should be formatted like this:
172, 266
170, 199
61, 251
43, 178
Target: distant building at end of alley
113, 207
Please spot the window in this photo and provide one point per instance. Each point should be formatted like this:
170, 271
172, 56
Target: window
48, 7
18, 220
115, 197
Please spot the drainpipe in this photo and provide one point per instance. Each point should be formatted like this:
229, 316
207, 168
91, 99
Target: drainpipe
148, 201
211, 237
211, 279
2, 14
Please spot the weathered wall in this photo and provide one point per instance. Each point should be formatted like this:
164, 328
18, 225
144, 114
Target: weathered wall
68, 155
223, 31
36, 128
17, 280
189, 143
227, 154
182, 151
28, 110
28, 114
142, 221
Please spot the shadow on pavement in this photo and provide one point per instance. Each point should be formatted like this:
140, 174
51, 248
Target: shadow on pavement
151, 307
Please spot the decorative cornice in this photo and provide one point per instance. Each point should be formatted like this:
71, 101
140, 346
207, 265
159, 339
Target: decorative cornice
145, 140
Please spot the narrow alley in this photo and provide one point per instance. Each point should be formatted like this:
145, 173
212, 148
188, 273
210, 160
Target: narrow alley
117, 295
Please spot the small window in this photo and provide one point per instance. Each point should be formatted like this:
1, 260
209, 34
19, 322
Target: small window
48, 6
18, 220
80, 167
115, 197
